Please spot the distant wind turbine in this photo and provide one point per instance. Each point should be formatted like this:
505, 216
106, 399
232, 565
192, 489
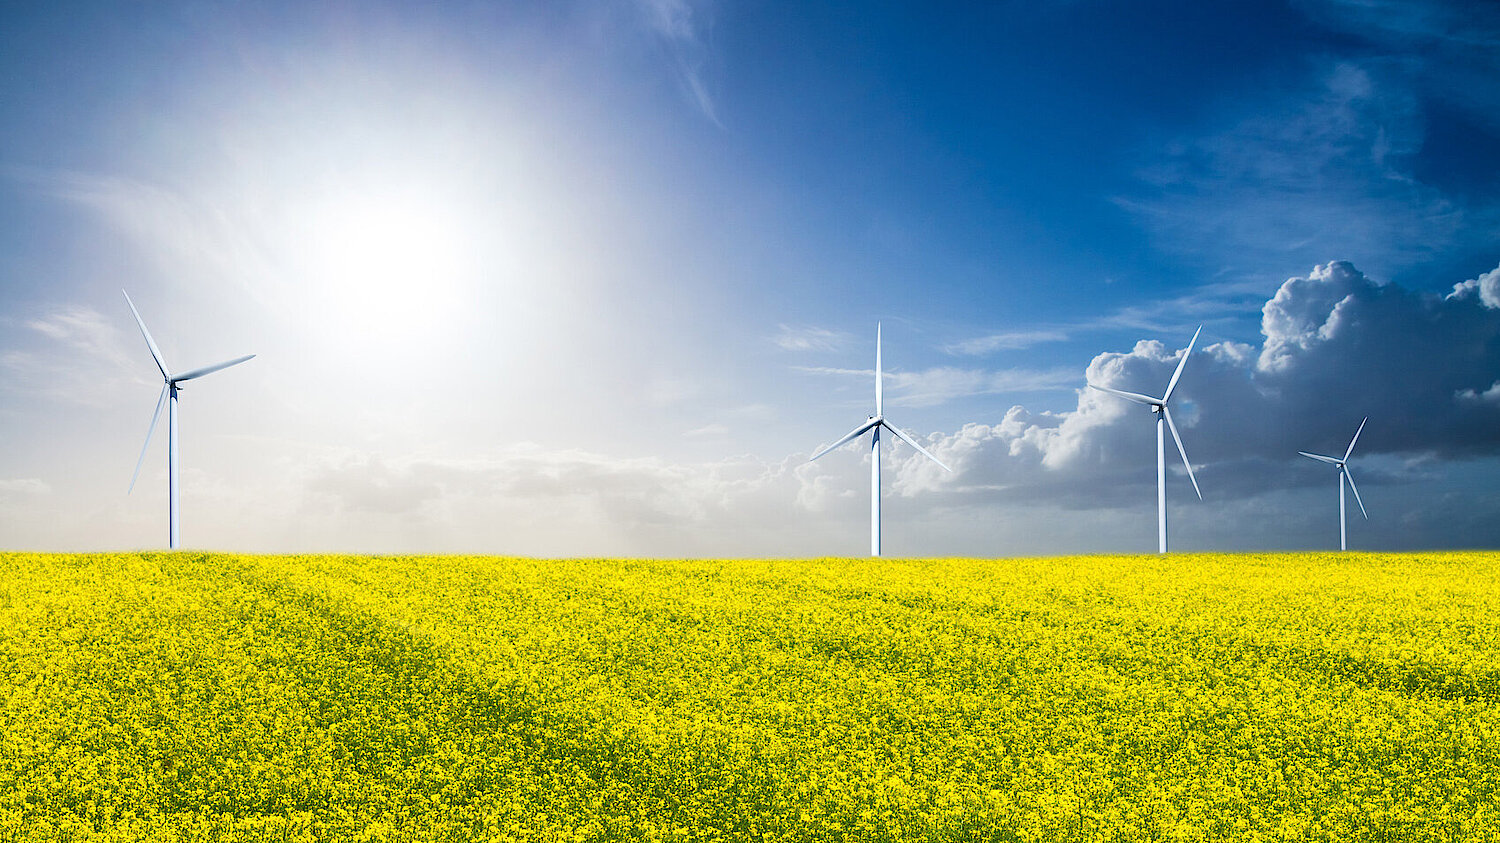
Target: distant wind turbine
875, 423
1343, 466
1159, 407
169, 390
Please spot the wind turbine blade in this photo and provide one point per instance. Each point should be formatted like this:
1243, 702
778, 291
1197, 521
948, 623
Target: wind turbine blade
912, 442
1320, 458
879, 379
1355, 439
150, 343
851, 435
1172, 384
1355, 490
155, 417
1172, 427
1133, 396
208, 370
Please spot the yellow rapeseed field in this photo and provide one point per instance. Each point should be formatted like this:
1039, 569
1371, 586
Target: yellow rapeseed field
1191, 697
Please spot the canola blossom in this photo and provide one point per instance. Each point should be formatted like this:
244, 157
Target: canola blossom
1254, 697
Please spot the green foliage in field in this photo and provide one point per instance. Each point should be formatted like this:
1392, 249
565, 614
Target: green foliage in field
1272, 697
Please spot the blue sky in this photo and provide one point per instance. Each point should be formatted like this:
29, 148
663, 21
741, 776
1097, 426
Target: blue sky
598, 277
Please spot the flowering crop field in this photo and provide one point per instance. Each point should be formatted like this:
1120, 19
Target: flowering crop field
195, 696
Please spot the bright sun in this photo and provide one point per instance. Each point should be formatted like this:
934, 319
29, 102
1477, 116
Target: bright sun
394, 263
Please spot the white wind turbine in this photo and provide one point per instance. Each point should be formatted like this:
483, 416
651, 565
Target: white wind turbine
169, 390
1159, 407
875, 423
1343, 466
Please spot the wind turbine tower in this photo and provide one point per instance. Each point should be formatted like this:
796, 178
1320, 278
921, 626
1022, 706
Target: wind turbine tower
1163, 417
1343, 467
169, 393
874, 424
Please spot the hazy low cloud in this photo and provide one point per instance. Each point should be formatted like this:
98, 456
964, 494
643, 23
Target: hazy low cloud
23, 487
570, 502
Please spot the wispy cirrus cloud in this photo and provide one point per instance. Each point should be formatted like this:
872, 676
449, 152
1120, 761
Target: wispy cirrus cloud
71, 354
1449, 47
1006, 341
1324, 168
808, 338
1225, 301
680, 27
187, 237
941, 384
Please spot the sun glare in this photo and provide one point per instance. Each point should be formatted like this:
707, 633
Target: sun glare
390, 264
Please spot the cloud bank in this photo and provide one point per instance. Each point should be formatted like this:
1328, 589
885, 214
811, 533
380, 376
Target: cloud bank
1337, 346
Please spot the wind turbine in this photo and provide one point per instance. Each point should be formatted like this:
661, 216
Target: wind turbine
875, 423
1159, 407
1343, 465
169, 390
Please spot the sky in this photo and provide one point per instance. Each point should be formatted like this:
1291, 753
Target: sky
597, 277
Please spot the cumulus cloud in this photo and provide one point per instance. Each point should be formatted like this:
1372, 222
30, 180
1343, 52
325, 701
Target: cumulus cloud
1486, 287
1337, 346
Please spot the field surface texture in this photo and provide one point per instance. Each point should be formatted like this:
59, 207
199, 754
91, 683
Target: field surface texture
1193, 697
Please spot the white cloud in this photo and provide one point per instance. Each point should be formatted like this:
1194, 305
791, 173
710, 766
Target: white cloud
1491, 395
23, 488
568, 502
1008, 341
1301, 172
941, 384
808, 338
72, 355
680, 24
1338, 347
1451, 46
185, 237
1486, 286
